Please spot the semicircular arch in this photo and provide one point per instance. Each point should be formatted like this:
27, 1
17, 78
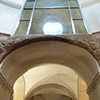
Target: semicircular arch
34, 54
57, 86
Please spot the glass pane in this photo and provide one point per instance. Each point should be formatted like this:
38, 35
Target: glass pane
26, 14
73, 3
79, 26
43, 16
22, 29
29, 4
76, 14
51, 3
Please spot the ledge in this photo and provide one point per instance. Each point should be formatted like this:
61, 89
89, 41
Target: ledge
4, 34
89, 42
10, 4
98, 32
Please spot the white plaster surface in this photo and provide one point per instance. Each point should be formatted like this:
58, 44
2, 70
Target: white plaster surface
9, 17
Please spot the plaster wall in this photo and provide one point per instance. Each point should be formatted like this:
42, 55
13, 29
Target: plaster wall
92, 16
3, 92
11, 16
95, 95
19, 89
82, 90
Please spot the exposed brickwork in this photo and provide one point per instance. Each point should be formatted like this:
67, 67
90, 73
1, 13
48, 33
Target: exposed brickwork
89, 42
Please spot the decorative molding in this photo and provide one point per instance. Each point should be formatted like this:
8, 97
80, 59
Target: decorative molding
28, 96
5, 85
94, 84
90, 3
10, 4
4, 34
40, 97
98, 32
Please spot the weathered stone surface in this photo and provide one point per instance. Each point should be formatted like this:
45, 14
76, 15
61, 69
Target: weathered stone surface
5, 85
89, 42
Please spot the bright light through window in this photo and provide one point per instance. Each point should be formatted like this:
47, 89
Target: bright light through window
53, 28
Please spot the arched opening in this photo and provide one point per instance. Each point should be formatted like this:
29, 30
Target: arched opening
53, 90
49, 52
46, 78
50, 76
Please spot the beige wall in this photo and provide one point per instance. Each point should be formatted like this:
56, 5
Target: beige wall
19, 89
95, 93
82, 90
4, 94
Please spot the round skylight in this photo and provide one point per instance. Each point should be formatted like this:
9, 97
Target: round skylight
53, 28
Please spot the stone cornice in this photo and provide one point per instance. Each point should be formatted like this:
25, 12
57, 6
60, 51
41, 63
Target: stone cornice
10, 4
4, 34
89, 42
5, 85
94, 84
90, 3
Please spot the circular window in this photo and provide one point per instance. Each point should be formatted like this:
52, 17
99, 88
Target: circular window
53, 28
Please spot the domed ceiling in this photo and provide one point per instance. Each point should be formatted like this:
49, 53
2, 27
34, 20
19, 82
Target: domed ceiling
11, 11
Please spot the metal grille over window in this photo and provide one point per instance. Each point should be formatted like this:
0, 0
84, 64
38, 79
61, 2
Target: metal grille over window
51, 17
